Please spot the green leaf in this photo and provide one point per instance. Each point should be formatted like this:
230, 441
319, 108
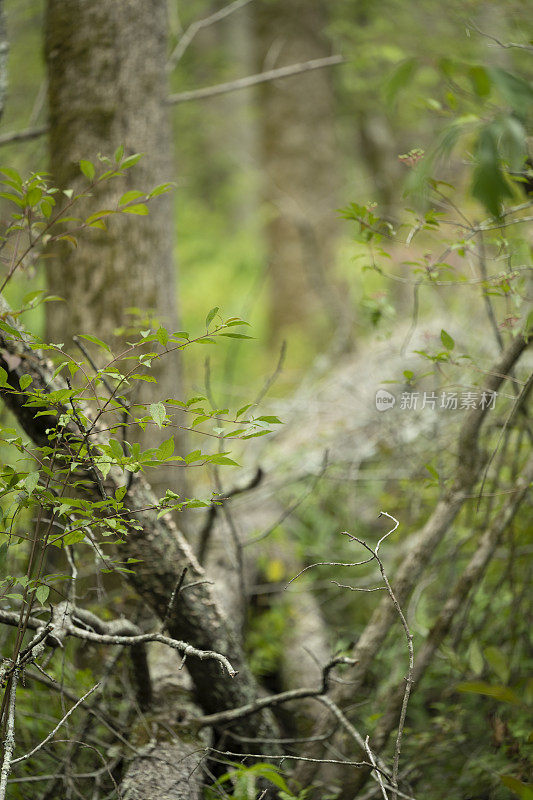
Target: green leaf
28, 298
502, 693
210, 317
95, 340
200, 419
271, 420
166, 449
515, 90
130, 161
475, 658
31, 481
73, 537
194, 455
87, 167
13, 174
119, 153
447, 340
162, 189
162, 336
498, 661
99, 215
33, 196
42, 593
432, 471
270, 773
399, 78
158, 413
24, 381
139, 208
46, 207
115, 448
222, 460
480, 80
127, 197
236, 336
522, 790
488, 182
512, 141
3, 377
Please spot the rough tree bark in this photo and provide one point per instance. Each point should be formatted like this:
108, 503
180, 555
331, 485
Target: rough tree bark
3, 58
106, 67
107, 87
298, 146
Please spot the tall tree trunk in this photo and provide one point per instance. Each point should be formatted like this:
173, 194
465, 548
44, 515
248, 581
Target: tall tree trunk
299, 161
3, 58
107, 87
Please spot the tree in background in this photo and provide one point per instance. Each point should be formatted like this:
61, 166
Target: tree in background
300, 165
3, 58
107, 87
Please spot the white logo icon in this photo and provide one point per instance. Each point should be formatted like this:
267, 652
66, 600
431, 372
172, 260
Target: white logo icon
384, 400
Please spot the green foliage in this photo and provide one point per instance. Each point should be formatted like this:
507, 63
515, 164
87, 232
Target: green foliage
90, 421
246, 782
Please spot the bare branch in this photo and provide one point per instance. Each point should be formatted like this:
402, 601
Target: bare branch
373, 760
275, 699
129, 641
57, 727
254, 80
505, 45
206, 92
23, 136
470, 577
196, 27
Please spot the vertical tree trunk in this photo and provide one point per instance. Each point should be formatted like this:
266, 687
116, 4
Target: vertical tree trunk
299, 160
107, 87
3, 58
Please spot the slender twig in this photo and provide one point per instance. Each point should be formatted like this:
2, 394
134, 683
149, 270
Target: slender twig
254, 80
505, 45
23, 136
270, 381
293, 506
206, 529
486, 298
57, 727
288, 757
517, 406
273, 700
173, 598
373, 760
88, 447
409, 637
129, 641
187, 37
